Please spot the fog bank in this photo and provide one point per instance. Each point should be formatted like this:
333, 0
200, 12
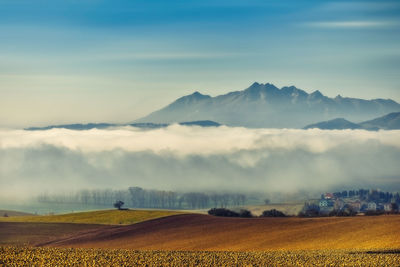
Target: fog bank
198, 159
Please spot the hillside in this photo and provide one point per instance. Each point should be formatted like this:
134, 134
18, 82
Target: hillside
203, 232
335, 124
21, 233
266, 106
13, 213
390, 121
96, 217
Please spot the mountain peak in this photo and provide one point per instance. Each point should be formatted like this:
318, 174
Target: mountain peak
260, 91
191, 99
255, 84
316, 94
197, 94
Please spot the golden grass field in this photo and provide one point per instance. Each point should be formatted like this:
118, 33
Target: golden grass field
17, 256
96, 217
13, 213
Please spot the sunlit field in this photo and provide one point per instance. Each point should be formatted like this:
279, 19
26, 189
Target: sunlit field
96, 217
99, 257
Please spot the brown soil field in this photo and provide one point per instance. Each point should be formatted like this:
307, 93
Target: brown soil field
198, 232
22, 233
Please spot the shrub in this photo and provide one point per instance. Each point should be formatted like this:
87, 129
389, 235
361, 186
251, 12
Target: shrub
374, 212
223, 212
245, 214
343, 213
273, 213
309, 213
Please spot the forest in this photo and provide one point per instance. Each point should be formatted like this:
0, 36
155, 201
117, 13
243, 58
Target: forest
137, 197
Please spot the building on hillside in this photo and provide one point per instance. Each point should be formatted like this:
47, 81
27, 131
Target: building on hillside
356, 205
328, 196
372, 206
387, 207
325, 206
339, 204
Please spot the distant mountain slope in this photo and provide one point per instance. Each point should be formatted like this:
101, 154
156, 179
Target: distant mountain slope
388, 122
335, 124
201, 123
146, 125
265, 105
76, 126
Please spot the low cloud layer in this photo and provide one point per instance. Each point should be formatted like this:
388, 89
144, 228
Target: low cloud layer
194, 158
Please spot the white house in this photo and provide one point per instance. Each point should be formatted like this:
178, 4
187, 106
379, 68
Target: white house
323, 203
387, 207
372, 206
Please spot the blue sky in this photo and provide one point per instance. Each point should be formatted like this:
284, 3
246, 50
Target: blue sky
115, 61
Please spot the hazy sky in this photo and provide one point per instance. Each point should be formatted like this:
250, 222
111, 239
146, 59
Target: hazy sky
115, 61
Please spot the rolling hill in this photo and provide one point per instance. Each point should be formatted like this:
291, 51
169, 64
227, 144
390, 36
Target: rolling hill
13, 213
388, 122
23, 233
335, 124
266, 106
208, 233
96, 217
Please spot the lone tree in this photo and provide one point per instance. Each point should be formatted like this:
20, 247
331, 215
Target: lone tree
118, 204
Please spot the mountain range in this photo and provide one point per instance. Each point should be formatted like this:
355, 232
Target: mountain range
388, 122
266, 106
89, 126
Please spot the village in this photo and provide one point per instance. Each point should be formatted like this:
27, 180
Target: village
353, 202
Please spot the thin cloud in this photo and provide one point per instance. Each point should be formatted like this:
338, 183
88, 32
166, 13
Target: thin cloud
352, 24
164, 56
359, 6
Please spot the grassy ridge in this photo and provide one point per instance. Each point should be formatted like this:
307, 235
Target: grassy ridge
96, 217
13, 213
20, 233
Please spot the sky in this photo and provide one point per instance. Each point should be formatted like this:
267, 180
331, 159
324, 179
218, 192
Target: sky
83, 61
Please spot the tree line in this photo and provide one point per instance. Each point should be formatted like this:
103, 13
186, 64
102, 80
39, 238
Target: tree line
367, 195
137, 197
